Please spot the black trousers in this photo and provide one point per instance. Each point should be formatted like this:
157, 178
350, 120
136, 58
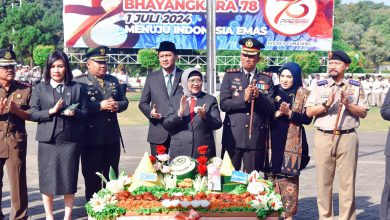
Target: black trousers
153, 146
98, 158
251, 159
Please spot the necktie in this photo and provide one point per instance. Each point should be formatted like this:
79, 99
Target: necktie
192, 107
248, 76
59, 88
169, 84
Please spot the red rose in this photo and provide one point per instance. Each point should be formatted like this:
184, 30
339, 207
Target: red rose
160, 149
152, 158
202, 169
202, 149
202, 160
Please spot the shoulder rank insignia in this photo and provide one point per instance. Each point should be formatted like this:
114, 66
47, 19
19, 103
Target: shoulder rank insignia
266, 73
79, 76
322, 82
354, 82
23, 83
233, 70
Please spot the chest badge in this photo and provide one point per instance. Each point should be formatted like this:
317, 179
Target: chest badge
236, 94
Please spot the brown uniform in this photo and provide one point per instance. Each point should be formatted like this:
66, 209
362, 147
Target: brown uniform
13, 148
342, 153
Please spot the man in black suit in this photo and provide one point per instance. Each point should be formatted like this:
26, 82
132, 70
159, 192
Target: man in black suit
105, 100
385, 203
237, 93
160, 87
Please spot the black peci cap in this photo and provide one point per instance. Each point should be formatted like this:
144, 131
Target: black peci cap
167, 46
340, 55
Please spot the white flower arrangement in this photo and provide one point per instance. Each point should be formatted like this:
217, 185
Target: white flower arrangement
163, 157
105, 201
266, 200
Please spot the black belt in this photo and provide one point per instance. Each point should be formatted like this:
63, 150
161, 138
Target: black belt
338, 132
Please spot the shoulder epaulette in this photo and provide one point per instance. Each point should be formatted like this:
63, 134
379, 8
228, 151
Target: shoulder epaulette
266, 73
354, 82
79, 76
322, 82
233, 70
23, 83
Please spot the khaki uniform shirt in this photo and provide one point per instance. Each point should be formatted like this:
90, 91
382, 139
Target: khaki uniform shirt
327, 120
12, 128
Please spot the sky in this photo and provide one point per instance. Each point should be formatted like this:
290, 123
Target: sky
387, 2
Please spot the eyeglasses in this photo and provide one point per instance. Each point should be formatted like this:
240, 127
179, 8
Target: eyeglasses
195, 81
11, 67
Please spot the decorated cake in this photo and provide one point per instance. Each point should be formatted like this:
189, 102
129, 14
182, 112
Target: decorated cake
185, 187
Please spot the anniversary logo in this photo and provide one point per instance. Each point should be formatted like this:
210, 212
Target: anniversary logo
279, 25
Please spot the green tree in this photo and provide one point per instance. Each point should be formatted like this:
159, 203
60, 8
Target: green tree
31, 24
41, 52
351, 34
338, 43
230, 64
374, 47
358, 61
309, 62
148, 59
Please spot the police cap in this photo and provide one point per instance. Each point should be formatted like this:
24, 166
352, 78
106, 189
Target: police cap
250, 46
98, 54
7, 57
167, 46
340, 55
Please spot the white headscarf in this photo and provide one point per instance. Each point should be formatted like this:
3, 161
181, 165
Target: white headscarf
184, 82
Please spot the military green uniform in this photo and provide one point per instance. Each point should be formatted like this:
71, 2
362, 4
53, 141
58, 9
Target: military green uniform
13, 147
102, 148
341, 154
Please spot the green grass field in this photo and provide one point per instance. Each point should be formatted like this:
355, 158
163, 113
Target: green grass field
133, 116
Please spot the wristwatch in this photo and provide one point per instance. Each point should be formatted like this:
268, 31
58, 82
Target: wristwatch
326, 106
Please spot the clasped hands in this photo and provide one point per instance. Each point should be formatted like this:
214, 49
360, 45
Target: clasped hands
10, 107
343, 98
284, 109
201, 111
58, 106
109, 105
251, 92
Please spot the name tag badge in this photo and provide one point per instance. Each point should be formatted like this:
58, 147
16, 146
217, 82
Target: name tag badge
151, 177
239, 177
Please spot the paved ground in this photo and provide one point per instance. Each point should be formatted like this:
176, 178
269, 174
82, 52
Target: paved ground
370, 177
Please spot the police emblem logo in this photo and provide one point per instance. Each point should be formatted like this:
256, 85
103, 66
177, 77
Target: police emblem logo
7, 55
102, 51
249, 43
277, 98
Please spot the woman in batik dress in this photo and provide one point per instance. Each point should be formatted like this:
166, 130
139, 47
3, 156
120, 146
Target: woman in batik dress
288, 148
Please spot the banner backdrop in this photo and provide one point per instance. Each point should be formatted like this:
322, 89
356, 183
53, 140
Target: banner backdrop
278, 24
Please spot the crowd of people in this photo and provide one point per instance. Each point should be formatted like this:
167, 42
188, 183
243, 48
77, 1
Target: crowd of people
262, 128
68, 111
263, 124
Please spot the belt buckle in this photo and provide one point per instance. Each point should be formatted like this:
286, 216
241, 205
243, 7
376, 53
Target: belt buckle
337, 132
